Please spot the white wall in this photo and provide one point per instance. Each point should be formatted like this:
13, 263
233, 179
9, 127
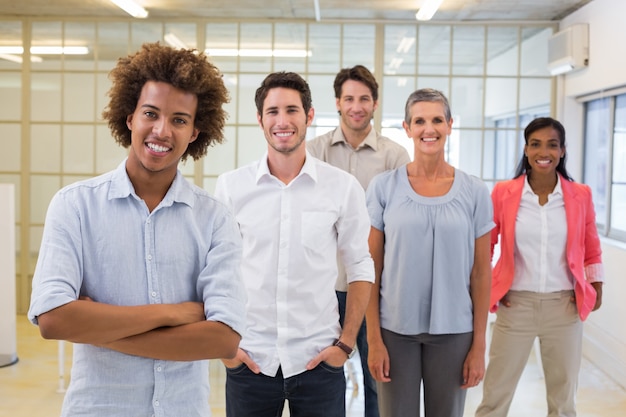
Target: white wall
605, 337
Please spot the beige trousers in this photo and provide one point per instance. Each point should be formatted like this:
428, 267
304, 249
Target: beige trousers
551, 317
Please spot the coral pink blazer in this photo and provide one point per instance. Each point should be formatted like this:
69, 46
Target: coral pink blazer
584, 254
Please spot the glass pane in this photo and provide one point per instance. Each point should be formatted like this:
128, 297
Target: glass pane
619, 141
222, 158
109, 153
597, 133
46, 34
251, 145
323, 100
502, 50
325, 45
42, 189
15, 180
143, 32
501, 154
535, 51
10, 35
618, 207
45, 151
181, 35
11, 143
78, 148
45, 97
434, 50
79, 97
438, 83
468, 52
290, 41
467, 150
256, 47
103, 84
187, 168
221, 37
399, 135
246, 108
231, 81
396, 90
497, 104
359, 44
535, 94
84, 35
113, 39
400, 49
466, 101
11, 93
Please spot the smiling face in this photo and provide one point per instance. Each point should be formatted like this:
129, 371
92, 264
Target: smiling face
544, 151
428, 127
356, 106
284, 121
162, 127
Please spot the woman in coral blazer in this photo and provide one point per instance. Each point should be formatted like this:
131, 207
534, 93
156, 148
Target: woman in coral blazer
548, 277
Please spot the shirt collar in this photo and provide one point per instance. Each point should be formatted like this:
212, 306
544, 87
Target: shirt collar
370, 139
309, 168
557, 189
122, 187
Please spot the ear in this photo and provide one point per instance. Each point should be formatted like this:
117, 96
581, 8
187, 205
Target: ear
194, 135
407, 129
129, 122
375, 105
310, 116
259, 119
337, 101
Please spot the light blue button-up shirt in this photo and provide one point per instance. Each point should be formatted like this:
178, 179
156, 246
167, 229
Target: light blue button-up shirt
101, 241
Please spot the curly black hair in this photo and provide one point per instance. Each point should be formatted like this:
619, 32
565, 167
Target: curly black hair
187, 70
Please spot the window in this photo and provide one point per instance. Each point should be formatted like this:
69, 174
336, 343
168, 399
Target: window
604, 170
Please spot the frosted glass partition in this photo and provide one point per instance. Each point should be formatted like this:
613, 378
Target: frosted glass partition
8, 343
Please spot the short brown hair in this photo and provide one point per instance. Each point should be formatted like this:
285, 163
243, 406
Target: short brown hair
356, 73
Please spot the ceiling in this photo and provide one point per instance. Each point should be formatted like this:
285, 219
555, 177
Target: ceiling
450, 10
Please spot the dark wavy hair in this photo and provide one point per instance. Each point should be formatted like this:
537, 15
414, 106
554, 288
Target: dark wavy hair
523, 166
356, 73
283, 79
187, 70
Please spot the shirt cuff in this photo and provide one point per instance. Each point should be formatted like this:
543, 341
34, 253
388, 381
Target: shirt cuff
594, 273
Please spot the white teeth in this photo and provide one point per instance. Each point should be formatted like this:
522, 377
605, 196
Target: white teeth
543, 161
157, 148
283, 134
429, 139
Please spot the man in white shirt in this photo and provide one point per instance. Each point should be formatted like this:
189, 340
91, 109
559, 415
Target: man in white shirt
295, 213
357, 148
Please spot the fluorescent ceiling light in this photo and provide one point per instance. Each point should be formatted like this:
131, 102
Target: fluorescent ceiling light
278, 53
132, 8
46, 50
18, 59
174, 41
428, 9
405, 44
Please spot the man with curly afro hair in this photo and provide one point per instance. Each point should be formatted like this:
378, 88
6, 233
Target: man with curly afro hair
139, 267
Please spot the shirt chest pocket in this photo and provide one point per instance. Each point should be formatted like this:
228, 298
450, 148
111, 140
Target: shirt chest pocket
318, 230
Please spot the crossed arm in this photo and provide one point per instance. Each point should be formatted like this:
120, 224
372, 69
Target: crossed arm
159, 331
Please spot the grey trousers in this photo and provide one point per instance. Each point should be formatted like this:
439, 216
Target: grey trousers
553, 318
436, 361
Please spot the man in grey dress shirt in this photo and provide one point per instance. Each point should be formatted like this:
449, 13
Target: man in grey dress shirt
357, 148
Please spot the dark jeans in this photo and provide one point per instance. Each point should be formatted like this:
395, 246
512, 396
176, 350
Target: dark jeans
320, 392
371, 395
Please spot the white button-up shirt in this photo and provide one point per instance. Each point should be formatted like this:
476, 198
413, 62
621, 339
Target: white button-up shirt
540, 244
291, 234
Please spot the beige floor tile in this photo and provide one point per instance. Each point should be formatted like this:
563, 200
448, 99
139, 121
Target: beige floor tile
30, 388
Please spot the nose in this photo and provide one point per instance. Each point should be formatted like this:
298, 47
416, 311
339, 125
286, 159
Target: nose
162, 128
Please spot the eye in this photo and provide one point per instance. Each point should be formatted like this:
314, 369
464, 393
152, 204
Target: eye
180, 121
150, 114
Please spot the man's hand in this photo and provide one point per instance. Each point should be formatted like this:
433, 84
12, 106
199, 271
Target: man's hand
332, 355
242, 357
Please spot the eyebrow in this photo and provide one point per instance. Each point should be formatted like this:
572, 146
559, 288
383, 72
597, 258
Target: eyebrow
179, 113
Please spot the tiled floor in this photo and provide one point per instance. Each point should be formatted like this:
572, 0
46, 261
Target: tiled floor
29, 388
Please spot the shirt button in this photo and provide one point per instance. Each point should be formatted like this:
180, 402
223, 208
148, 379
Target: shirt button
149, 257
158, 369
153, 293
156, 403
